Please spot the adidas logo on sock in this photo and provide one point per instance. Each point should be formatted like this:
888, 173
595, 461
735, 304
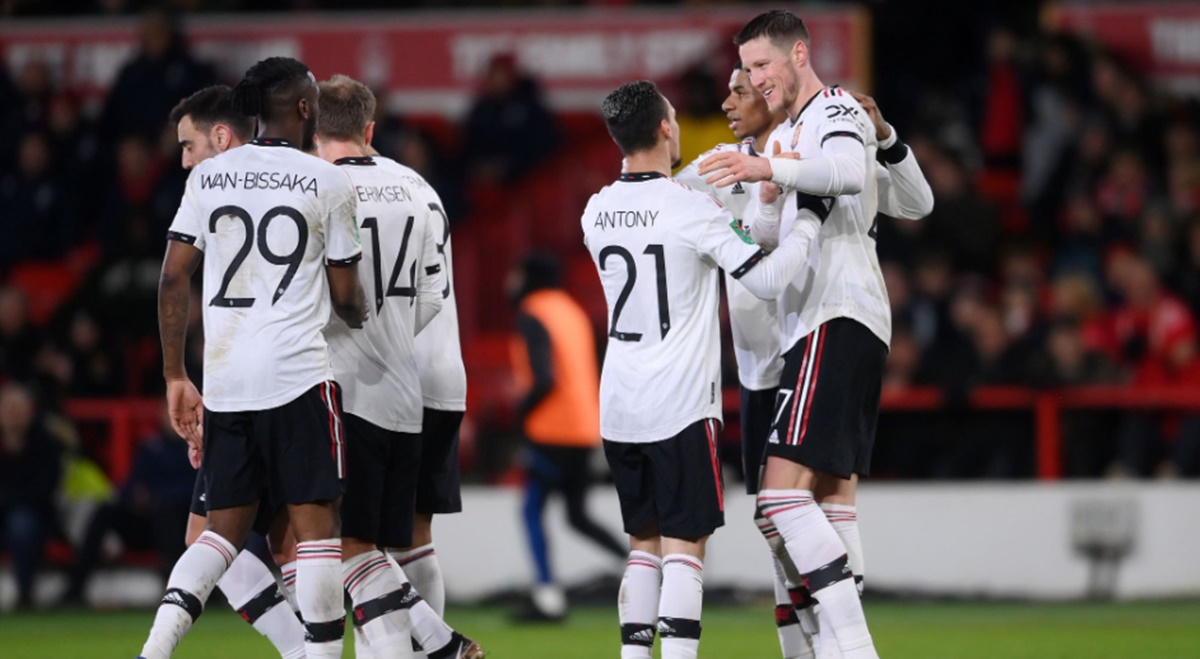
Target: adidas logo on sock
644, 636
174, 597
664, 628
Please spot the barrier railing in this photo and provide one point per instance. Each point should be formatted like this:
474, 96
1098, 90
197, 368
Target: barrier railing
125, 417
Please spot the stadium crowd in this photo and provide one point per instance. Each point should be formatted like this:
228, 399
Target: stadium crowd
1063, 249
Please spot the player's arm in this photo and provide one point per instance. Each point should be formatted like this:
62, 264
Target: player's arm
343, 251
839, 169
903, 191
185, 247
346, 291
537, 348
431, 280
764, 275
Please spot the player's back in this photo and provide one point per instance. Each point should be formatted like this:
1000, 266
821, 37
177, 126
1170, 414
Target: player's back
662, 367
376, 366
268, 218
439, 352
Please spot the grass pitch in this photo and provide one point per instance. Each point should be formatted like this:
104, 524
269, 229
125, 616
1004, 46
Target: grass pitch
1159, 630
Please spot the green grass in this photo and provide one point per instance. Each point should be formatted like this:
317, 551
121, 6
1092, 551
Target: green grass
1159, 630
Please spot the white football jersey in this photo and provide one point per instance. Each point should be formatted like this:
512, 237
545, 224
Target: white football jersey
753, 321
842, 278
377, 365
658, 247
439, 353
269, 218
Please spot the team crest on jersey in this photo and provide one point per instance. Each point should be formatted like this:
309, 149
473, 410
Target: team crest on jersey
740, 230
796, 135
738, 189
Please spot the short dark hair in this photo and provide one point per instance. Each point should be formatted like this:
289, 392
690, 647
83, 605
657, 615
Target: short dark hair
275, 81
633, 113
779, 25
347, 106
212, 105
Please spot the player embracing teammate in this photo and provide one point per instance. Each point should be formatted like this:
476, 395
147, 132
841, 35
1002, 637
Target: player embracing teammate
836, 163
835, 322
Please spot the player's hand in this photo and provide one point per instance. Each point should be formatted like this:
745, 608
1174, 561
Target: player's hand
725, 169
768, 192
195, 455
186, 409
882, 130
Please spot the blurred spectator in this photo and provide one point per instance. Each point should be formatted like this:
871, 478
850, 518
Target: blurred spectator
130, 208
17, 339
38, 220
1054, 97
508, 130
962, 223
1158, 335
29, 475
153, 81
1000, 135
76, 147
415, 148
1083, 239
150, 511
554, 363
96, 371
1189, 270
1124, 191
1067, 361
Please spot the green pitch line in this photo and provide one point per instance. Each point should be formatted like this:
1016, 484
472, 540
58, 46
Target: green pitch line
1162, 630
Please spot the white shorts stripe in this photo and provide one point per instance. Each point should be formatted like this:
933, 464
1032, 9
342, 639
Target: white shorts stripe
806, 379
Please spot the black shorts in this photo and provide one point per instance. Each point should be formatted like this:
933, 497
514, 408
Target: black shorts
439, 489
381, 492
262, 521
828, 402
294, 452
675, 482
757, 413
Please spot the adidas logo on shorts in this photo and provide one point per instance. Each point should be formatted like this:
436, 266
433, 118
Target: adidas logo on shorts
774, 438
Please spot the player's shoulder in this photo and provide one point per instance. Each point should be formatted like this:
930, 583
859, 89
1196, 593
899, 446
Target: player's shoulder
404, 172
834, 105
724, 147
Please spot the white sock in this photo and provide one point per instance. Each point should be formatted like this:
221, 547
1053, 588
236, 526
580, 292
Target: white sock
251, 590
319, 592
421, 566
820, 557
680, 606
637, 604
794, 643
826, 646
373, 584
287, 579
192, 580
425, 573
844, 520
792, 601
426, 626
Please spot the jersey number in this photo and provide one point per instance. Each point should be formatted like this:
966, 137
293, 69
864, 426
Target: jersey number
292, 260
392, 290
660, 267
441, 247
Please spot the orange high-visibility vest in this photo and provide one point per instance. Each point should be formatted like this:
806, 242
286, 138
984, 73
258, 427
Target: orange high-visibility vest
570, 414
